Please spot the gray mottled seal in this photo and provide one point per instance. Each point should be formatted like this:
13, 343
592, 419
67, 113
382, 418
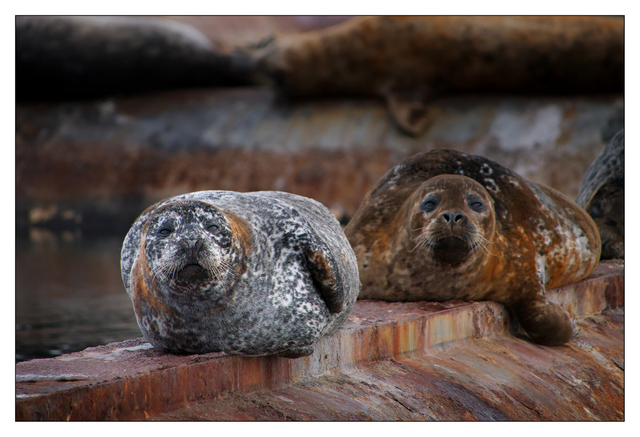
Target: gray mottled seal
245, 273
449, 225
410, 60
601, 194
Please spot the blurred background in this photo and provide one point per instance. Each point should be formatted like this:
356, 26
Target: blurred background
116, 113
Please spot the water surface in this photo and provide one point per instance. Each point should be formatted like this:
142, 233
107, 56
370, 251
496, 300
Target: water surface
69, 294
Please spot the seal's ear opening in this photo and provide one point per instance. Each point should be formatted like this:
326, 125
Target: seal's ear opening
324, 276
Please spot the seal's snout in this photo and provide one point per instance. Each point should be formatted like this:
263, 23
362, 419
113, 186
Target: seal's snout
453, 218
192, 269
192, 247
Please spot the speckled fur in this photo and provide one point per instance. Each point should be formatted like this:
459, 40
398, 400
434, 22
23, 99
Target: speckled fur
533, 238
602, 196
284, 274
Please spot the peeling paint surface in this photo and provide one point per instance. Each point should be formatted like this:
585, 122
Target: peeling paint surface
389, 361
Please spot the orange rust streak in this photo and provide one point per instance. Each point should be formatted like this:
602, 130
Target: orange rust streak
321, 265
241, 231
140, 292
139, 289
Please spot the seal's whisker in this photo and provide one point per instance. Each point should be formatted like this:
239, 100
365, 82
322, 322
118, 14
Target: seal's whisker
418, 244
225, 268
424, 241
420, 236
214, 270
478, 240
485, 239
219, 269
160, 274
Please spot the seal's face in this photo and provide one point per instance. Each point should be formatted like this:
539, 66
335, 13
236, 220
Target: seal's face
188, 246
453, 216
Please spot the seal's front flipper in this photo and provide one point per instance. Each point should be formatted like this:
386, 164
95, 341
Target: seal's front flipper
324, 275
545, 322
297, 352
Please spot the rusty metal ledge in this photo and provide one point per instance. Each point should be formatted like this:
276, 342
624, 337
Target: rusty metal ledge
489, 379
455, 354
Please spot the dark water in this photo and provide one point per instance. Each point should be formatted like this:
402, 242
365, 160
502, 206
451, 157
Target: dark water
69, 294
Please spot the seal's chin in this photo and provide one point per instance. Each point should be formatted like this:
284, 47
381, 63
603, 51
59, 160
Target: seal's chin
451, 250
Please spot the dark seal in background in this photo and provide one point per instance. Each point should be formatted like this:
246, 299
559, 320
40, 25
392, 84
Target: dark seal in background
89, 57
602, 196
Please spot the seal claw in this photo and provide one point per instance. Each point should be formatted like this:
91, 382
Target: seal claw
297, 352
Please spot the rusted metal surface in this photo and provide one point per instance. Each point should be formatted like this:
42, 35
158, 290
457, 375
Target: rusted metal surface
99, 163
390, 361
489, 380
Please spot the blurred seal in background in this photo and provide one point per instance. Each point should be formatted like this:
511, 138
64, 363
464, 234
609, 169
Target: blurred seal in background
59, 57
602, 196
411, 60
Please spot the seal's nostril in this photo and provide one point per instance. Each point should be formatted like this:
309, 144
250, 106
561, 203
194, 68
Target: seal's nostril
454, 217
198, 246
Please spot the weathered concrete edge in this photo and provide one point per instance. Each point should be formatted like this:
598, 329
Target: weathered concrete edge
163, 389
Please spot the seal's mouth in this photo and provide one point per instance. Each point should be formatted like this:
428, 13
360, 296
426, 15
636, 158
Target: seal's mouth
451, 243
451, 250
192, 272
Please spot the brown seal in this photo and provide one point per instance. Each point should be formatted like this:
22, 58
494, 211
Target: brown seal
410, 60
448, 225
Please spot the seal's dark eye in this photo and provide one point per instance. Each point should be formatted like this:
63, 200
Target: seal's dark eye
476, 205
429, 204
165, 232
213, 228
